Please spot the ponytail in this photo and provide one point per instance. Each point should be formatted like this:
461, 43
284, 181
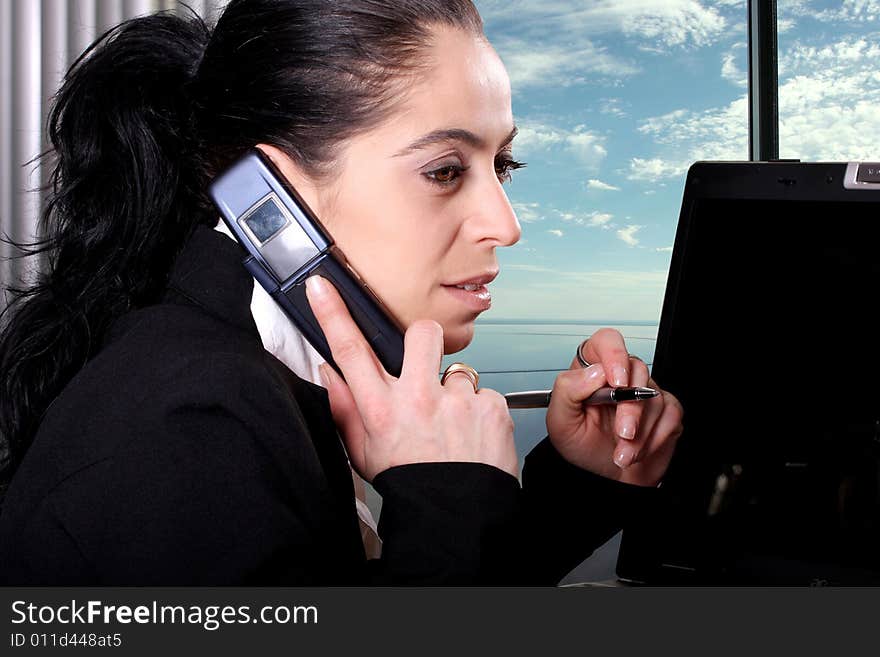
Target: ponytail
125, 193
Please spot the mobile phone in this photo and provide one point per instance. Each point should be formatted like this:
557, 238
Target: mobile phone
285, 243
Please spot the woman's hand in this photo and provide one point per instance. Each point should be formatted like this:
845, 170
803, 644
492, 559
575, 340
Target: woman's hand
386, 421
631, 441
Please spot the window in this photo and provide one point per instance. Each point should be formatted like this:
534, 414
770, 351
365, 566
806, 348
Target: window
614, 100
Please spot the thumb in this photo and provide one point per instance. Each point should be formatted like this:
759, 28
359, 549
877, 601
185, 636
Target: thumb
574, 386
567, 414
346, 416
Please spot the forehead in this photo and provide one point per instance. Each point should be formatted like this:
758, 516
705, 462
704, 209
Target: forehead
462, 84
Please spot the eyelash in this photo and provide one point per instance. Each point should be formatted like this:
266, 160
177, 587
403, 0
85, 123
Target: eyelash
508, 164
503, 167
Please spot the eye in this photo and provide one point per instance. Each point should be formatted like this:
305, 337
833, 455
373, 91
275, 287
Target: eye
504, 164
446, 175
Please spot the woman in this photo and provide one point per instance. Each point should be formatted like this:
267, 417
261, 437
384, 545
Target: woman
155, 441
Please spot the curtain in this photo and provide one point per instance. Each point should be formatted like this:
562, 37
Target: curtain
39, 40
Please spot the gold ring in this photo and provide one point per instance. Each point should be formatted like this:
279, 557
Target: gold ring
461, 368
581, 359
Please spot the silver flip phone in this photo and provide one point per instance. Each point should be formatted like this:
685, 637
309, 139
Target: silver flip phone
285, 243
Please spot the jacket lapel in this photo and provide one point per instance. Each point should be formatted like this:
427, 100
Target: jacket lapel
209, 273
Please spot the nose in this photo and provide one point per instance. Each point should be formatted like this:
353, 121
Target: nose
494, 219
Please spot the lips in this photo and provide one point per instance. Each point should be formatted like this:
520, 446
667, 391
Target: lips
472, 291
478, 280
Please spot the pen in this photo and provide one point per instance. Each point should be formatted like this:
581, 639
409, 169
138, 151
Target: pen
541, 398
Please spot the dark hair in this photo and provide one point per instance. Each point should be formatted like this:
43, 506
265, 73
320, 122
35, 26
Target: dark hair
145, 117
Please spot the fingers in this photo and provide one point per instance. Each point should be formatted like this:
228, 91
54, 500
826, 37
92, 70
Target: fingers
660, 428
628, 415
386, 421
346, 416
659, 444
665, 428
350, 349
459, 382
572, 387
423, 351
509, 462
608, 347
629, 451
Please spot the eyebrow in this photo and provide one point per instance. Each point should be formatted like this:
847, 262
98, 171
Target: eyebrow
452, 134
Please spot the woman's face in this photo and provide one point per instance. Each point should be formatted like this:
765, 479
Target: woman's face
417, 205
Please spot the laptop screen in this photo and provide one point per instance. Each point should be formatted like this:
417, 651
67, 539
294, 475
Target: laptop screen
769, 338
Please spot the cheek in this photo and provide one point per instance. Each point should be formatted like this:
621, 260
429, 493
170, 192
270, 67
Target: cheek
396, 260
407, 281
399, 238
406, 274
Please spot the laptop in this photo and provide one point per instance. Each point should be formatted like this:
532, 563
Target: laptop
769, 337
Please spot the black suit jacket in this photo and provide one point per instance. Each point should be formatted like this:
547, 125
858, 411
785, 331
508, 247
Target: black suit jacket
183, 453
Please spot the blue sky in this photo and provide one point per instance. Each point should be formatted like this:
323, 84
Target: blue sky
616, 98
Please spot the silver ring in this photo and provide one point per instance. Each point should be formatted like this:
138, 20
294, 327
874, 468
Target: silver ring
583, 362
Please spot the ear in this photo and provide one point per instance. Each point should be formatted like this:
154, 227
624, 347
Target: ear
302, 183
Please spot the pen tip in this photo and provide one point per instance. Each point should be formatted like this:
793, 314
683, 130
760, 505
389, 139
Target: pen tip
646, 393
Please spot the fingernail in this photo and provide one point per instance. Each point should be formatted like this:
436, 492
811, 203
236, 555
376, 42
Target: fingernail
325, 375
627, 428
624, 456
619, 375
595, 371
317, 286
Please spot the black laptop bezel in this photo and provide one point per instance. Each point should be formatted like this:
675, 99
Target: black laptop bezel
771, 181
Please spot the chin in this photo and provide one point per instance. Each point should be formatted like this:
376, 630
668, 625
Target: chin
456, 338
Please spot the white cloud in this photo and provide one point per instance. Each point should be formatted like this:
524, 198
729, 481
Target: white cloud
648, 22
730, 65
628, 234
788, 13
856, 11
828, 97
593, 183
529, 64
586, 145
721, 132
654, 169
784, 25
801, 59
556, 232
599, 219
686, 136
663, 249
671, 22
527, 212
594, 219
561, 42
612, 106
